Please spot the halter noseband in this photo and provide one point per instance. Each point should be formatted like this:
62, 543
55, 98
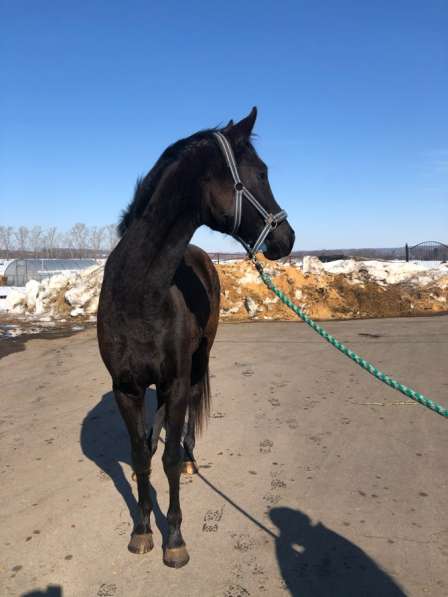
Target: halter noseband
271, 220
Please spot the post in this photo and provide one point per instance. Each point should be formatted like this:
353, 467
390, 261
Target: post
406, 248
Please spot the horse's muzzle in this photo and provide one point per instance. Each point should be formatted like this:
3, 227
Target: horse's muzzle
280, 242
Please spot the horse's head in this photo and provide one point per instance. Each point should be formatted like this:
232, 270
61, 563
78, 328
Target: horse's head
237, 196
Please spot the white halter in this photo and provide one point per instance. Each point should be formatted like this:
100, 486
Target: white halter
271, 220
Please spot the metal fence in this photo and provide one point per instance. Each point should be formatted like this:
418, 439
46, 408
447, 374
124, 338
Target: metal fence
20, 271
429, 250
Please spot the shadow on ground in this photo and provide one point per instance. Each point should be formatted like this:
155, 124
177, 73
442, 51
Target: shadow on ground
316, 561
51, 591
105, 441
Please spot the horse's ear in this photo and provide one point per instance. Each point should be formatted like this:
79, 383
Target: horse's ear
242, 130
228, 126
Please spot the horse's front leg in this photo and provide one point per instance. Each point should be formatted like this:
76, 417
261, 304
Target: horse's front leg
132, 409
176, 397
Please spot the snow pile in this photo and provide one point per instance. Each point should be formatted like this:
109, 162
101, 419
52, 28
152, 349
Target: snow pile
337, 290
71, 293
382, 272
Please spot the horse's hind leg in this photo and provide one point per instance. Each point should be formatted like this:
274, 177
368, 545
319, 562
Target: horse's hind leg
189, 465
198, 411
176, 397
133, 413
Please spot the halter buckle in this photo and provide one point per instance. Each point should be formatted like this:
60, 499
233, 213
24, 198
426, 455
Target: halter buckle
272, 221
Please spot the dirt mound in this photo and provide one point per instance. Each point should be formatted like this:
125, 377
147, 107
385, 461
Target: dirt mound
324, 295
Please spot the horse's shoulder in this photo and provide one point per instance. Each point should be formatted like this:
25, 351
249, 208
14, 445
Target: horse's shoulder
197, 270
196, 253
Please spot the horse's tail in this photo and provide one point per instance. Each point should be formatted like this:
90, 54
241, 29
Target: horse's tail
200, 409
200, 396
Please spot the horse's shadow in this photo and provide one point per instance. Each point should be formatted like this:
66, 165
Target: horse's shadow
105, 441
314, 560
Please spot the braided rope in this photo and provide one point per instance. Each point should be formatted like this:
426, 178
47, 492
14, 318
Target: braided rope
409, 392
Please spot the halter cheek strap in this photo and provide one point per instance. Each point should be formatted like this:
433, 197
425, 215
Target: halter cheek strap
271, 221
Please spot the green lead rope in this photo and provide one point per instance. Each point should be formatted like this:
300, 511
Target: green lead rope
409, 392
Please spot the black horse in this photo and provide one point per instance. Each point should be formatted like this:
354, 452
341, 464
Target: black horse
159, 303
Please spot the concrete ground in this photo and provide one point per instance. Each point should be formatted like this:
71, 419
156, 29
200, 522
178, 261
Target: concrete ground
315, 479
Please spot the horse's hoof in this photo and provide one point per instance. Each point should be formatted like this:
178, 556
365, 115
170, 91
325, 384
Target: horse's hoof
189, 467
141, 543
176, 557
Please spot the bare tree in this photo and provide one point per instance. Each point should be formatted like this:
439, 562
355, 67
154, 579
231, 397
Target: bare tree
50, 236
96, 237
22, 235
7, 239
36, 239
111, 236
79, 238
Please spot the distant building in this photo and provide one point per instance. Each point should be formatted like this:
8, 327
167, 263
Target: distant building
17, 272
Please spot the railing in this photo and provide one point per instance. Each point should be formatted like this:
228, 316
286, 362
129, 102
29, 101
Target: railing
429, 250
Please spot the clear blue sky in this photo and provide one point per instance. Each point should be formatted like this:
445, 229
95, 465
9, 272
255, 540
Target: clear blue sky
352, 100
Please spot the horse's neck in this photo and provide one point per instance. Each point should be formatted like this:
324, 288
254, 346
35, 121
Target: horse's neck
157, 242
164, 252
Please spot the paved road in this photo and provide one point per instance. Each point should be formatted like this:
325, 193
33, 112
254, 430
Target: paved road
316, 480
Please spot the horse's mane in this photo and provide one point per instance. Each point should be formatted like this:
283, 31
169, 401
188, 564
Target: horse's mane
145, 186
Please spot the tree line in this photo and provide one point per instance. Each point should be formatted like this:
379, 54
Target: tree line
97, 241
78, 242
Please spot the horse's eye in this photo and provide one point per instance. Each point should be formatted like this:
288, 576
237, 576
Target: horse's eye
262, 175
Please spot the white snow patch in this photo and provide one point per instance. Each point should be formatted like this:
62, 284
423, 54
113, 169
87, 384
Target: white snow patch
383, 272
236, 307
271, 301
251, 306
249, 277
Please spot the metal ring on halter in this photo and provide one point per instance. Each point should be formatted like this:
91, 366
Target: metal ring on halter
271, 220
